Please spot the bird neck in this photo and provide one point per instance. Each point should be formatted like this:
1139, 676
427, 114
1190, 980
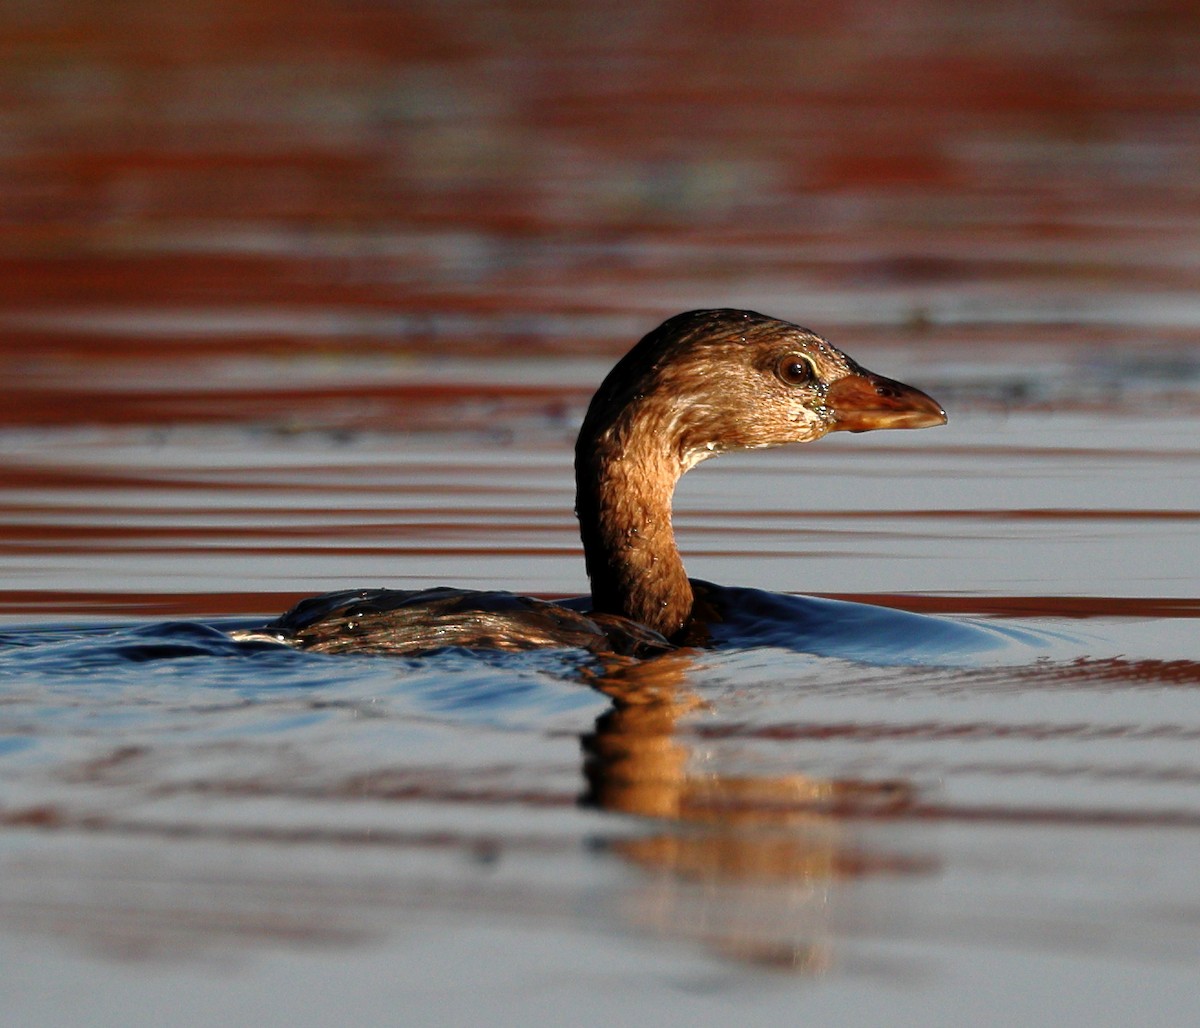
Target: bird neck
625, 476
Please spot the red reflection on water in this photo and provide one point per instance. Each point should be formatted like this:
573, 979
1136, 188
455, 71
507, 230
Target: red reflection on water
210, 604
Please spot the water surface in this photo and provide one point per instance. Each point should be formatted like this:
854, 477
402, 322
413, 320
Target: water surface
295, 305
882, 805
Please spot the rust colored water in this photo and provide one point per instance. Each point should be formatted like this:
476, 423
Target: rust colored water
296, 302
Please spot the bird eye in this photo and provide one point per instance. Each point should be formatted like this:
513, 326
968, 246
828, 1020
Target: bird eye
795, 369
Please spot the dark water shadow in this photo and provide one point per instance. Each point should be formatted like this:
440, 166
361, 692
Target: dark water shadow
862, 632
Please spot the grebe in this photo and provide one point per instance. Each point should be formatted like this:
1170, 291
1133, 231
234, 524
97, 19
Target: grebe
701, 383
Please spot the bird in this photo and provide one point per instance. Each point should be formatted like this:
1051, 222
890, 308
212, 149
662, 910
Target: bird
702, 383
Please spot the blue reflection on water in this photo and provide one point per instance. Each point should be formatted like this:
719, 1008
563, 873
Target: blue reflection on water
135, 676
869, 634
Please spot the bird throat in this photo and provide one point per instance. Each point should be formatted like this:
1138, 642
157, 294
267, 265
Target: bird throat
624, 486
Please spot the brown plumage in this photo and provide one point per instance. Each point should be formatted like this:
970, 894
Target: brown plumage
700, 384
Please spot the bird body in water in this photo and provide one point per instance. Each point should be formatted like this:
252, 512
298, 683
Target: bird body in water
702, 383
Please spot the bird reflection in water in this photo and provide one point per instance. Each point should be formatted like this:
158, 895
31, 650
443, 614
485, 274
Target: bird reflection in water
749, 866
